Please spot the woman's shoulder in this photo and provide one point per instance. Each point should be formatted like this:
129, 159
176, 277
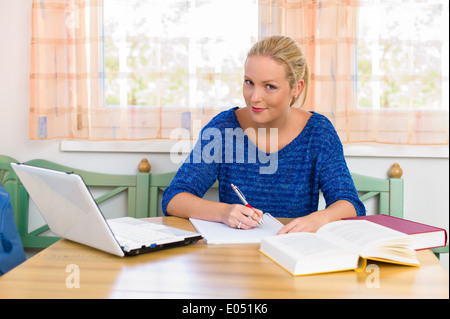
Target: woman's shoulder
321, 125
321, 121
322, 131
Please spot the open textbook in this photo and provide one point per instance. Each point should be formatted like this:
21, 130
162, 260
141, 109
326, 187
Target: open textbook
337, 246
219, 233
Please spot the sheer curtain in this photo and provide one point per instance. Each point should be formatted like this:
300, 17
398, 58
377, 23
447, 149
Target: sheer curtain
378, 74
135, 69
65, 75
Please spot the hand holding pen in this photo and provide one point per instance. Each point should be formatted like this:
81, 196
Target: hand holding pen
244, 201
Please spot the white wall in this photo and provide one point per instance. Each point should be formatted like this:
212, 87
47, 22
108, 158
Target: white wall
426, 177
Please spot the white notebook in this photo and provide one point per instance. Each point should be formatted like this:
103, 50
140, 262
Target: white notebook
219, 233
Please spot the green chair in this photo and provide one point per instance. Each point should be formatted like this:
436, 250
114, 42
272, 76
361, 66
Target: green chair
158, 183
440, 250
135, 186
389, 192
143, 194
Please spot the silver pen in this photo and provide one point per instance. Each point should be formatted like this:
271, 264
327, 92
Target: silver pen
244, 201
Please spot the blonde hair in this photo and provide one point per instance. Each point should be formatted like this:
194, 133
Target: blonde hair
286, 51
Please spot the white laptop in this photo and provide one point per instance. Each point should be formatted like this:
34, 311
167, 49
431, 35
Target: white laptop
70, 211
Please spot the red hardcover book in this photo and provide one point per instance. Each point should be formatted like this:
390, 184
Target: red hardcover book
422, 236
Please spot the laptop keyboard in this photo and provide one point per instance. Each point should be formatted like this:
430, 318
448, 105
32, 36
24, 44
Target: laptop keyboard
134, 237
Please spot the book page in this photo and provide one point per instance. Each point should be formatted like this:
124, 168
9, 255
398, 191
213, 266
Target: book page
305, 244
362, 234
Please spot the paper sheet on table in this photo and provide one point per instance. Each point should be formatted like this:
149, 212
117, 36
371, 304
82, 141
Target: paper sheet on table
219, 233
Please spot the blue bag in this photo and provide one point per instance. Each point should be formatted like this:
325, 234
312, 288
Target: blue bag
11, 248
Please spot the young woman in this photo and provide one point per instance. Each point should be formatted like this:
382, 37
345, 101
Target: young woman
279, 155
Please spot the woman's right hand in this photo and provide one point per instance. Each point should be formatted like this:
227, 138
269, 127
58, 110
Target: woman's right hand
242, 217
186, 205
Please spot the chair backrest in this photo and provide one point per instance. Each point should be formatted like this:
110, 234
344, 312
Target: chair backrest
136, 188
389, 191
158, 183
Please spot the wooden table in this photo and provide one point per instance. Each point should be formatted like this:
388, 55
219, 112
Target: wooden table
207, 271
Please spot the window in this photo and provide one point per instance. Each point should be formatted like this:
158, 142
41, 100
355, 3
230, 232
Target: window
402, 55
178, 53
379, 68
137, 69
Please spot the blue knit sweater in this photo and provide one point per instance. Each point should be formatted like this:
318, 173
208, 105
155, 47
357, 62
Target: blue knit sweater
284, 183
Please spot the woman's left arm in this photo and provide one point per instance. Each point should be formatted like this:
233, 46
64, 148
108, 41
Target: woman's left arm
336, 184
312, 222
